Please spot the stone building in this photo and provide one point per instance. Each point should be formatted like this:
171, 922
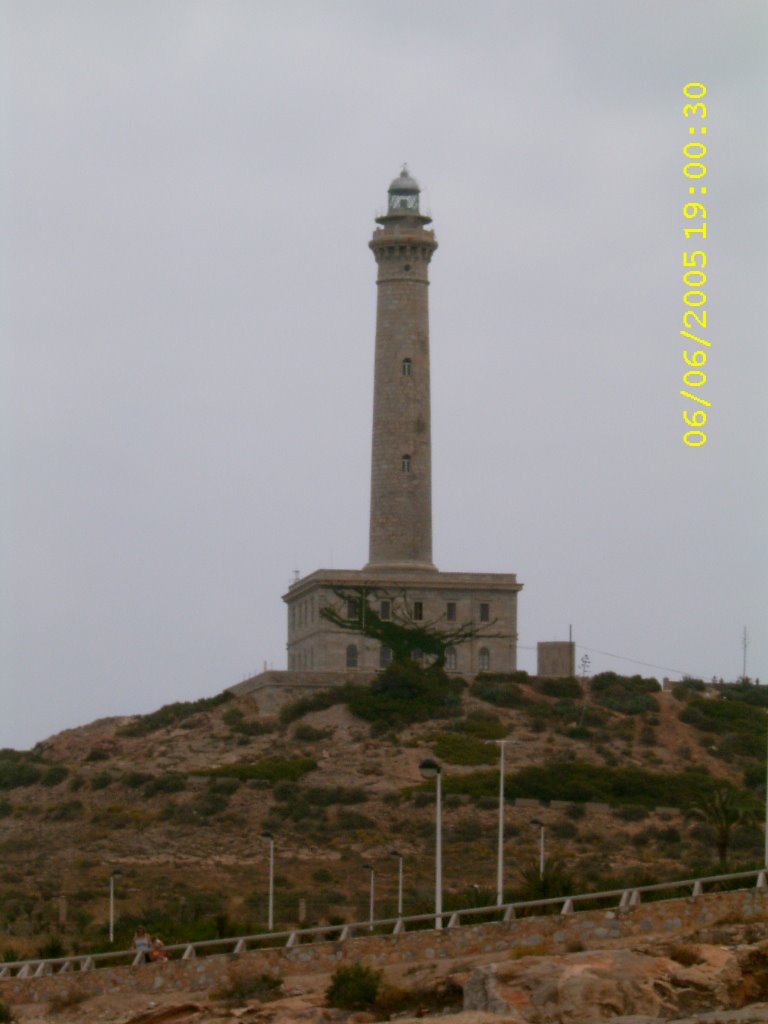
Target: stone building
400, 578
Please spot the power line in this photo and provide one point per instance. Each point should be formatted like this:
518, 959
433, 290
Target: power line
620, 657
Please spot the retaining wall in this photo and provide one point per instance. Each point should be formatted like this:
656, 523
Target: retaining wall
551, 934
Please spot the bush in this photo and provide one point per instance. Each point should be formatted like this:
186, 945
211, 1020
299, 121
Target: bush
404, 693
271, 769
172, 714
15, 772
566, 688
134, 780
55, 775
457, 749
308, 734
66, 811
235, 719
101, 781
241, 986
353, 820
353, 988
97, 754
579, 782
629, 695
6, 1017
6, 808
501, 693
482, 724
171, 782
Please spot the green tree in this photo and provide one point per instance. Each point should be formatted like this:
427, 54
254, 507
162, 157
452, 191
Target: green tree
406, 637
723, 809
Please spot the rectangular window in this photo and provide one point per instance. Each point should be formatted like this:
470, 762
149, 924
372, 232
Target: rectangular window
353, 609
418, 611
485, 612
450, 611
385, 611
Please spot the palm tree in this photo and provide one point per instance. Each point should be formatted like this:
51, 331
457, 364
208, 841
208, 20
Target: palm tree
723, 808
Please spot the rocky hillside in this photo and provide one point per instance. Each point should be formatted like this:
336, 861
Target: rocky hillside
176, 801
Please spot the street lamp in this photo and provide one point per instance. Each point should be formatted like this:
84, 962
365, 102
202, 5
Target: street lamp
400, 859
115, 874
368, 867
430, 769
266, 834
540, 824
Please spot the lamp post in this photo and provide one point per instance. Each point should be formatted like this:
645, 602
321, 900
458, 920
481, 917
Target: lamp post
540, 824
400, 859
266, 834
372, 896
430, 769
115, 874
500, 855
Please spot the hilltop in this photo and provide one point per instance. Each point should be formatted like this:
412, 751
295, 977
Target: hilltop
177, 800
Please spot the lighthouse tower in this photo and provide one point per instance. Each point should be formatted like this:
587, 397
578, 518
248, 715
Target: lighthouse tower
400, 575
401, 461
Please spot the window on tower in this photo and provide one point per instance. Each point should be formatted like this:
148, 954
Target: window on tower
450, 611
485, 659
385, 610
451, 659
406, 464
385, 656
352, 656
407, 367
485, 612
418, 610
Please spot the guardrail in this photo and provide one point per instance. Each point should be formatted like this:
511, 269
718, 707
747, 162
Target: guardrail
627, 898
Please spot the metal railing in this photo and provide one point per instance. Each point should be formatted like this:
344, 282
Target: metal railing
627, 898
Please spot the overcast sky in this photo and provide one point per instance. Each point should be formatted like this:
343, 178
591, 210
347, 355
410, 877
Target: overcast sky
188, 308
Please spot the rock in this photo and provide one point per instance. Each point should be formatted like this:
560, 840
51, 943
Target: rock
590, 987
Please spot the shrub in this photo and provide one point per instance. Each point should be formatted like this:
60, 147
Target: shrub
353, 988
354, 820
51, 949
271, 769
458, 749
101, 781
406, 693
308, 734
482, 724
317, 702
172, 714
65, 811
6, 808
629, 695
566, 688
501, 693
235, 719
55, 775
134, 780
15, 773
97, 754
66, 1000
632, 812
171, 782
6, 1017
242, 985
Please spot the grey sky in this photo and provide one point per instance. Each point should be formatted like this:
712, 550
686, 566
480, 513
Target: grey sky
188, 319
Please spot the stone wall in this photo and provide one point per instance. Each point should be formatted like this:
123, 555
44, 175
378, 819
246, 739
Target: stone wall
592, 929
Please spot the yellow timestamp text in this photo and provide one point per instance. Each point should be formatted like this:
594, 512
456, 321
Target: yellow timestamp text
694, 268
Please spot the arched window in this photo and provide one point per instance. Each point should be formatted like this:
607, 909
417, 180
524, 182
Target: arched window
405, 464
406, 367
451, 659
352, 656
385, 656
485, 659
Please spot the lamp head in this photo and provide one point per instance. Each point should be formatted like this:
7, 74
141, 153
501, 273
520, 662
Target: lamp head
430, 768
